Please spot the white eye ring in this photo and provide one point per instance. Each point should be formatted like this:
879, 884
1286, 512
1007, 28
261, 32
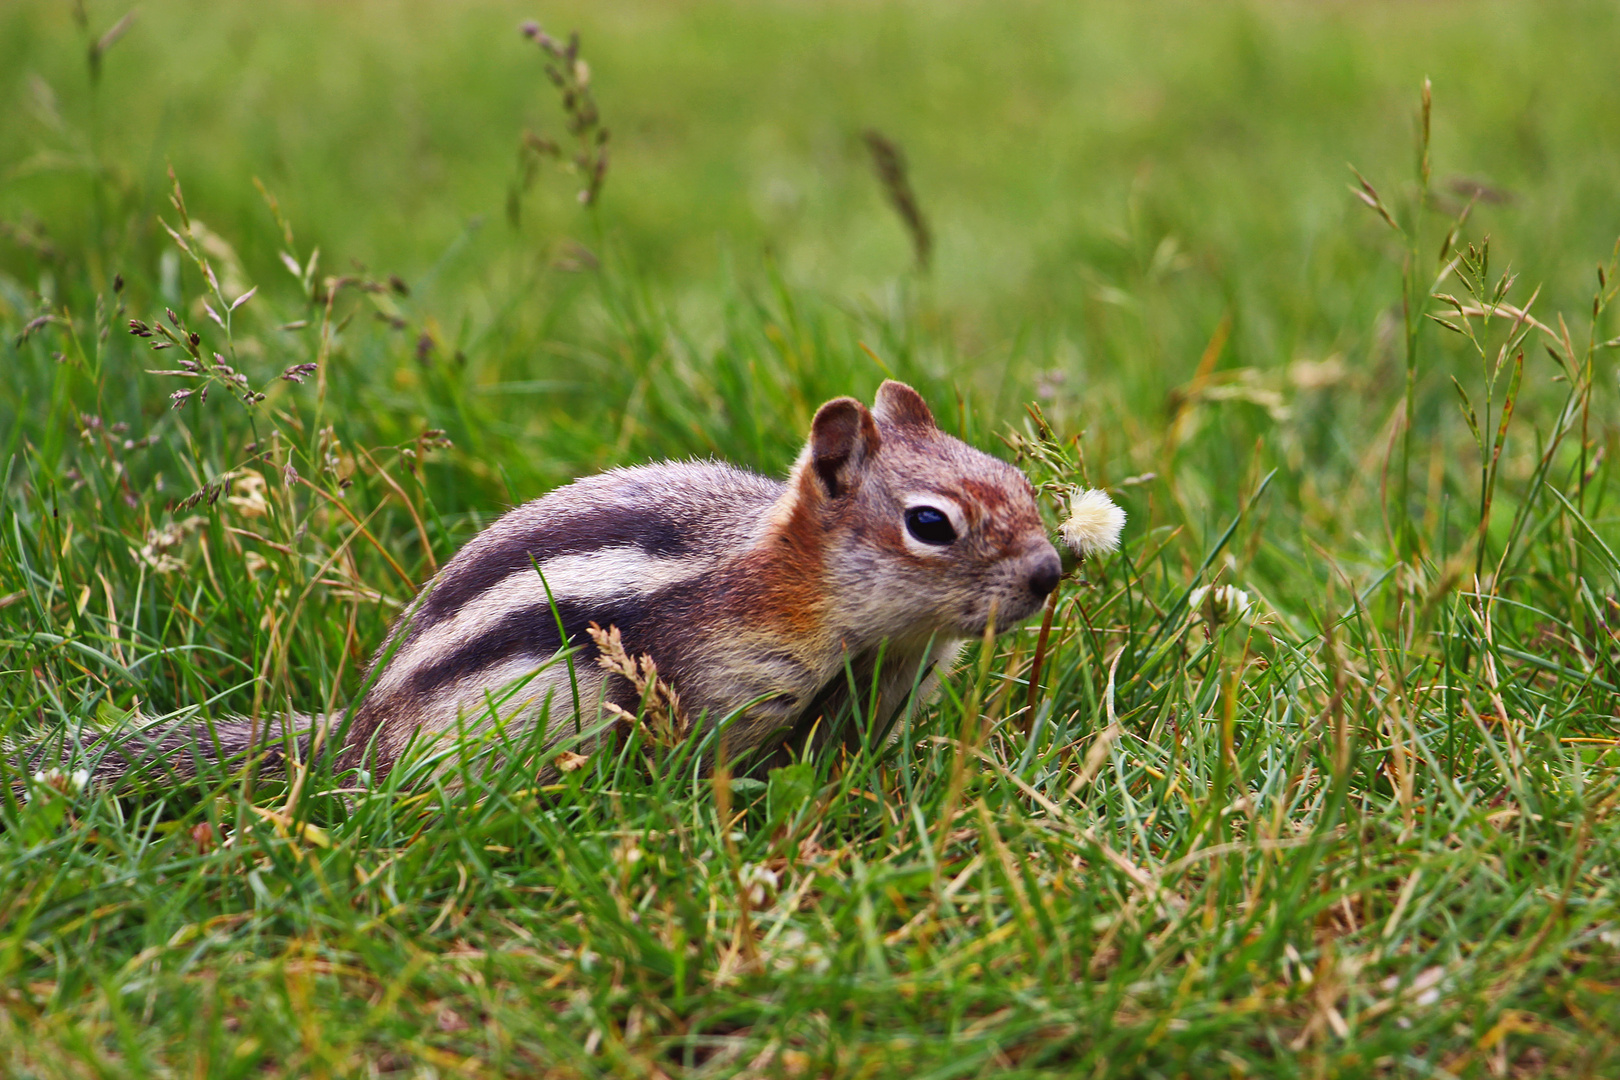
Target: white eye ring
948, 507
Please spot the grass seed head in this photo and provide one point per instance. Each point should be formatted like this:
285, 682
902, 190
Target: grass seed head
889, 163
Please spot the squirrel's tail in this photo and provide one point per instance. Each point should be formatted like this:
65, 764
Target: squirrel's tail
165, 753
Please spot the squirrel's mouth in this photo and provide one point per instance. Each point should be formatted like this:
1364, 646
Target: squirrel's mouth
1007, 613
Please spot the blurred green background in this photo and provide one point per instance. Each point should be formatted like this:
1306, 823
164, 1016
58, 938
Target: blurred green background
1062, 151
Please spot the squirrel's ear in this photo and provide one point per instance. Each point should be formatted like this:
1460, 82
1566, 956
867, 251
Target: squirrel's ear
898, 405
843, 437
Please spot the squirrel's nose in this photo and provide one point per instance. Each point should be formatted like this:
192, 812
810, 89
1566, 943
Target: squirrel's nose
1043, 578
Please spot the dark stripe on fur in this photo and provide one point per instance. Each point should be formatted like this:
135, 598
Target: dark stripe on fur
575, 533
531, 632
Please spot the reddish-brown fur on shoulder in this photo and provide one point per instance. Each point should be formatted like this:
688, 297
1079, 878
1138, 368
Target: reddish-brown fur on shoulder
844, 438
790, 565
783, 577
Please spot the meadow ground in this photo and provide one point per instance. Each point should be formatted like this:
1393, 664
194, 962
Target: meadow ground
1358, 820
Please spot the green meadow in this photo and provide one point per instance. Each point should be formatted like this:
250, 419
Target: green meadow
1318, 775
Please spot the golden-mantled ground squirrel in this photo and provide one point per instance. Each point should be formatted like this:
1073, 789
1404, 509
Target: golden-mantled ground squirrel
759, 601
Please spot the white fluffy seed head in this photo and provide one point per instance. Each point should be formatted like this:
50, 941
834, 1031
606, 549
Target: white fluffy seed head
1094, 523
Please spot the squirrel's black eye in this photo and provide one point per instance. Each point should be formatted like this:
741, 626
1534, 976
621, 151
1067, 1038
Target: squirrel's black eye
929, 525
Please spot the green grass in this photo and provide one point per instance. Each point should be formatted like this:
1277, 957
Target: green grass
1371, 831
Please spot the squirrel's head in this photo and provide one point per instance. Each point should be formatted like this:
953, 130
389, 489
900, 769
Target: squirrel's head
922, 533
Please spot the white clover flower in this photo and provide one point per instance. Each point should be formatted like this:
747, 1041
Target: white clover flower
1221, 604
1094, 523
55, 780
794, 951
760, 882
